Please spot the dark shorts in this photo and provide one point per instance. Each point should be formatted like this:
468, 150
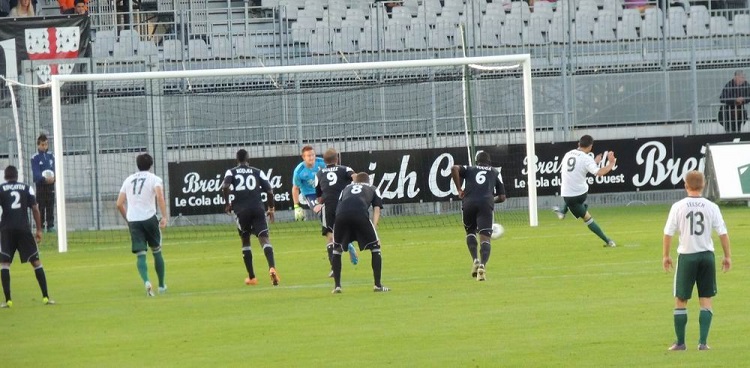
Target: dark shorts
347, 229
695, 269
478, 217
577, 205
143, 233
252, 221
21, 240
310, 201
327, 218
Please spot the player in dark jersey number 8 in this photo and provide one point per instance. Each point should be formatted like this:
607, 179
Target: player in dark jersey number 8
482, 190
247, 185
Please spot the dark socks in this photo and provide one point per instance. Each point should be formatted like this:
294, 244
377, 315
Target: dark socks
247, 257
377, 267
42, 280
485, 252
471, 243
5, 276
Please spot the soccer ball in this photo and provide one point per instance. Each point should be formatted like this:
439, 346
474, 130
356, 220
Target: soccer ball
48, 174
497, 231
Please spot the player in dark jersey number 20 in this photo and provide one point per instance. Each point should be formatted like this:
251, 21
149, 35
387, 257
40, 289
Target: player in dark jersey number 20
247, 186
483, 188
331, 180
15, 232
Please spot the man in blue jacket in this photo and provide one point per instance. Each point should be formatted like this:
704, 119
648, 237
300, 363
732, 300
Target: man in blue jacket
43, 168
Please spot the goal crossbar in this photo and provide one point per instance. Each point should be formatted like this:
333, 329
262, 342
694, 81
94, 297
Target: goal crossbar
57, 80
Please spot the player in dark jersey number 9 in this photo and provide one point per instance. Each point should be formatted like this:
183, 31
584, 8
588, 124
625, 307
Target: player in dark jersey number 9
481, 191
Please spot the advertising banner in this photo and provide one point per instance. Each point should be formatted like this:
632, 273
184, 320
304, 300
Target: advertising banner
410, 176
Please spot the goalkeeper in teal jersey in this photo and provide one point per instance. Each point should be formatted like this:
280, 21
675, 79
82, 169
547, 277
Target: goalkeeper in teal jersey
303, 182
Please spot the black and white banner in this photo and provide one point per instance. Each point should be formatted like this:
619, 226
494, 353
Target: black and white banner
408, 176
43, 38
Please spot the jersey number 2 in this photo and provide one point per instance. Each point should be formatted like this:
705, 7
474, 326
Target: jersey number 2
16, 200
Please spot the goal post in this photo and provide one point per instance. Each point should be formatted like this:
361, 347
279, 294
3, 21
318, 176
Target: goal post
273, 73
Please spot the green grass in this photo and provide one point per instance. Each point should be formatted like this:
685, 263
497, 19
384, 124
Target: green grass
554, 298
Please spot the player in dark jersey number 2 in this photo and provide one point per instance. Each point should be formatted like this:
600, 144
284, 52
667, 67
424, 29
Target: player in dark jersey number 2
246, 185
353, 223
331, 180
15, 232
483, 188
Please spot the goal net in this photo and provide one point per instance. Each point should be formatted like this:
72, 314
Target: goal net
405, 123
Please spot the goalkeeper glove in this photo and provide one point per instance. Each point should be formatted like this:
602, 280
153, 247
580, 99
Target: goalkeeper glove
299, 213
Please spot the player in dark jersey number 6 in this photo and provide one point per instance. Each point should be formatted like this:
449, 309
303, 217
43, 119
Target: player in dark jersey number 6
15, 232
483, 188
353, 223
247, 186
331, 180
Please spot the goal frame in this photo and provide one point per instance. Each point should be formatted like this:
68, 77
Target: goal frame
57, 80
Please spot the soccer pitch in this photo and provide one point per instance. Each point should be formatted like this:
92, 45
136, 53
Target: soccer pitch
554, 297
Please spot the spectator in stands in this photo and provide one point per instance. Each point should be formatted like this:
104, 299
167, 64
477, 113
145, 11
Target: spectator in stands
23, 9
389, 4
81, 8
640, 5
734, 96
67, 6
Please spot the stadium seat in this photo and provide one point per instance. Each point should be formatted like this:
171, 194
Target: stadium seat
416, 36
429, 16
368, 37
675, 23
173, 50
719, 26
511, 33
495, 8
520, 9
356, 15
395, 33
320, 40
544, 11
700, 14
652, 24
104, 43
302, 29
538, 28
557, 33
583, 27
244, 46
587, 5
614, 6
198, 50
147, 48
443, 36
697, 26
221, 47
489, 30
313, 9
401, 13
125, 49
347, 38
741, 24
627, 30
288, 9
604, 29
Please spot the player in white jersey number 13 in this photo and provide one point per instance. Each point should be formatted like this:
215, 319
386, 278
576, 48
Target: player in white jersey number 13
694, 217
